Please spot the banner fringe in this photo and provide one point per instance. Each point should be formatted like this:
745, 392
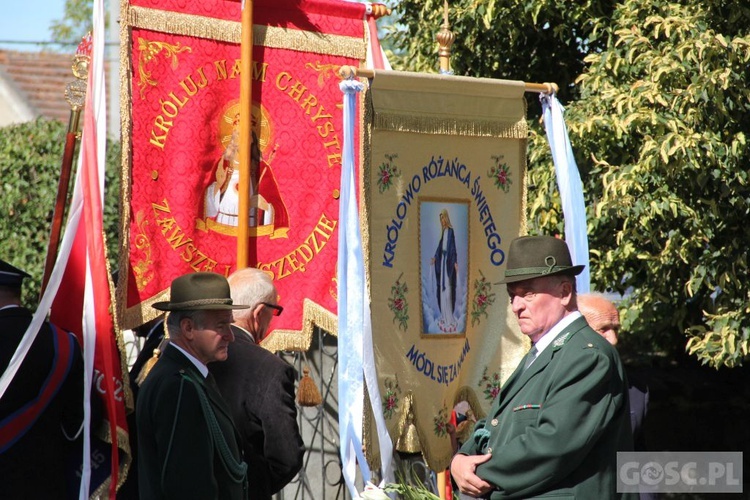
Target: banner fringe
450, 126
175, 23
313, 315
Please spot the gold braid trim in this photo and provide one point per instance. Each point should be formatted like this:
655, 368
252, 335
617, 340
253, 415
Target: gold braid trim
522, 224
370, 446
313, 315
123, 443
176, 23
222, 30
143, 312
126, 129
364, 103
450, 126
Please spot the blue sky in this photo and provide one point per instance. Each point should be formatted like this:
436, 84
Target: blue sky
28, 20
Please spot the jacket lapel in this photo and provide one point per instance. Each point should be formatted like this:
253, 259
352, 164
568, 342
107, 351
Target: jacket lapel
213, 393
521, 377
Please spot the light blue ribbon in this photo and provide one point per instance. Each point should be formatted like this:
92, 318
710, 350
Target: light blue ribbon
570, 187
355, 352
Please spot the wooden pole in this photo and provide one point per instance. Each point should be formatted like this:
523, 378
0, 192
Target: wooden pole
353, 72
246, 136
75, 94
71, 139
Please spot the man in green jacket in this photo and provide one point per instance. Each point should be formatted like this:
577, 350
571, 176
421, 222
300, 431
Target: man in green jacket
188, 446
560, 419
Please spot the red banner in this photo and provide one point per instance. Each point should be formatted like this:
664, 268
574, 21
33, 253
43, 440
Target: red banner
183, 137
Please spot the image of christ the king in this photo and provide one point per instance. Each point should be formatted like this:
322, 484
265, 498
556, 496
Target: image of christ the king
268, 214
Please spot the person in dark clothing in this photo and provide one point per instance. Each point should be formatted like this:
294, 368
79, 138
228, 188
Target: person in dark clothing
259, 387
602, 315
42, 409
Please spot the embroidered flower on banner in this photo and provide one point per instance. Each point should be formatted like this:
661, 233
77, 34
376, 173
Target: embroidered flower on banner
387, 173
398, 305
441, 422
491, 384
483, 298
500, 174
390, 398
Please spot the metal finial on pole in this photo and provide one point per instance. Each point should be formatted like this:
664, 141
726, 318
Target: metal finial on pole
445, 38
379, 10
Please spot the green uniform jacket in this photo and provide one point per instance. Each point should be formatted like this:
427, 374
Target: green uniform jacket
555, 429
177, 454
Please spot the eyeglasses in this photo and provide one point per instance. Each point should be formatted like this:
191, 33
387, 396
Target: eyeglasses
276, 310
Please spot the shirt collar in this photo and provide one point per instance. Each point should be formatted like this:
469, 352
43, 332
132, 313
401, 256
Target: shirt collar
247, 332
553, 332
200, 366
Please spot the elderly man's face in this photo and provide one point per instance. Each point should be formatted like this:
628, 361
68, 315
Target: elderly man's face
602, 316
210, 340
538, 304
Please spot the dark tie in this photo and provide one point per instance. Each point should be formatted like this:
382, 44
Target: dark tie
530, 357
211, 382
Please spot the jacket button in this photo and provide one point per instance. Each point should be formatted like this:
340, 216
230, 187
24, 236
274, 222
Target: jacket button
489, 450
494, 422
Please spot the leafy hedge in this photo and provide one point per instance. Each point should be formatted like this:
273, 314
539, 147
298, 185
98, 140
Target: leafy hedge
30, 159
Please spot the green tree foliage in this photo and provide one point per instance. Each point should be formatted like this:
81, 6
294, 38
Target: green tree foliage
658, 112
76, 22
30, 159
534, 41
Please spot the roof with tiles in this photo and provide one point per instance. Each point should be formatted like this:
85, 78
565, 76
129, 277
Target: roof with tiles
40, 78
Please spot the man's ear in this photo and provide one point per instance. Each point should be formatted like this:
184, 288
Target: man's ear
257, 311
566, 293
188, 328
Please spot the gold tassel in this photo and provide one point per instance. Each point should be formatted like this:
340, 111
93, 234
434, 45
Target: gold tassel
408, 439
150, 362
307, 392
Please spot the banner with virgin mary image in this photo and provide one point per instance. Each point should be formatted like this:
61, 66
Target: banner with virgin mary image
181, 140
444, 196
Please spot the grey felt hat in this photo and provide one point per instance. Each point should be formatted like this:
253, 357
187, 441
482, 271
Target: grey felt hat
532, 257
199, 291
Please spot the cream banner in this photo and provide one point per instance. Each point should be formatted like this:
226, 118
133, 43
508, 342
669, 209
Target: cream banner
444, 195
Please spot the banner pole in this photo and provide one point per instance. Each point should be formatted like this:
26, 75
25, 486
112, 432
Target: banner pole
75, 94
246, 102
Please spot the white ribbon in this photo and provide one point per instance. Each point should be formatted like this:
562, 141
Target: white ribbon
570, 186
356, 356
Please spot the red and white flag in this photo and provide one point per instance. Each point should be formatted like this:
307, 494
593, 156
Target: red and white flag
79, 285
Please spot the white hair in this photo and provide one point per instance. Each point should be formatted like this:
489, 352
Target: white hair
251, 286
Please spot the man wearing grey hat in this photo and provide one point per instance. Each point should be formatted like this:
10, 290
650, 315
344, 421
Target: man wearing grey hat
560, 419
187, 442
